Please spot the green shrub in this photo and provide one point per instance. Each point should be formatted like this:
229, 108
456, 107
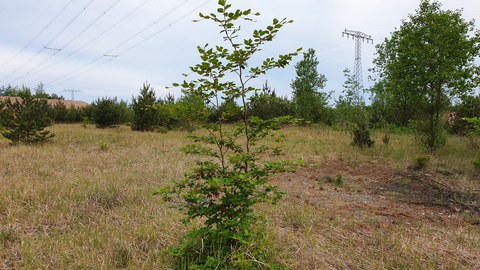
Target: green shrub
76, 115
59, 112
473, 136
386, 139
103, 146
191, 111
361, 138
107, 112
430, 134
25, 120
85, 122
476, 162
228, 112
339, 180
266, 105
421, 162
468, 108
167, 115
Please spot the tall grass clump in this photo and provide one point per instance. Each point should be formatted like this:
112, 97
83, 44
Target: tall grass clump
222, 189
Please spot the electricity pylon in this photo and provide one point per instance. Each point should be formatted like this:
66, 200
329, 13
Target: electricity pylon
359, 37
72, 91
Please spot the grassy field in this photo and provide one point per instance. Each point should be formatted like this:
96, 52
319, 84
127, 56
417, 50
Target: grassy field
84, 201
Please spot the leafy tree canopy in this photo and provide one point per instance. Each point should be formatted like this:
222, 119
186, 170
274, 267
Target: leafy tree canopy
426, 62
433, 52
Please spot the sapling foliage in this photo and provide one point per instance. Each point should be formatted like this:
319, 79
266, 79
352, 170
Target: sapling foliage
223, 188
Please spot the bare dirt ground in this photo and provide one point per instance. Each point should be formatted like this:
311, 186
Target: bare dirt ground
379, 190
378, 207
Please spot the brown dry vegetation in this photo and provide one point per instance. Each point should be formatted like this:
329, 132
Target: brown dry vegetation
84, 201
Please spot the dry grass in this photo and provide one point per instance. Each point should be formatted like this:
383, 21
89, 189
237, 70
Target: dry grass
84, 201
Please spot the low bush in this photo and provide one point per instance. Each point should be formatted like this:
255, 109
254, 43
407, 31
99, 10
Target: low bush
468, 108
430, 134
361, 138
339, 180
108, 112
476, 162
386, 139
421, 162
267, 105
474, 137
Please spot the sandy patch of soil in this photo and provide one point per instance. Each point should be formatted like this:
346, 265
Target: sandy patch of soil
377, 190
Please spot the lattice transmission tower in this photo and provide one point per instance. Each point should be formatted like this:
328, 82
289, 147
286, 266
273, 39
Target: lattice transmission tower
359, 37
72, 92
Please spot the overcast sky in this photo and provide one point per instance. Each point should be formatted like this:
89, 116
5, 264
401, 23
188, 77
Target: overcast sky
111, 47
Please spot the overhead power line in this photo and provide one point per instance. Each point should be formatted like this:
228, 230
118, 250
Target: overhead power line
32, 71
163, 29
69, 23
148, 26
91, 41
54, 37
35, 38
66, 77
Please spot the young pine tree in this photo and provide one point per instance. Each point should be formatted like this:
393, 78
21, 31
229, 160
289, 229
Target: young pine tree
308, 102
267, 105
25, 119
107, 112
145, 116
